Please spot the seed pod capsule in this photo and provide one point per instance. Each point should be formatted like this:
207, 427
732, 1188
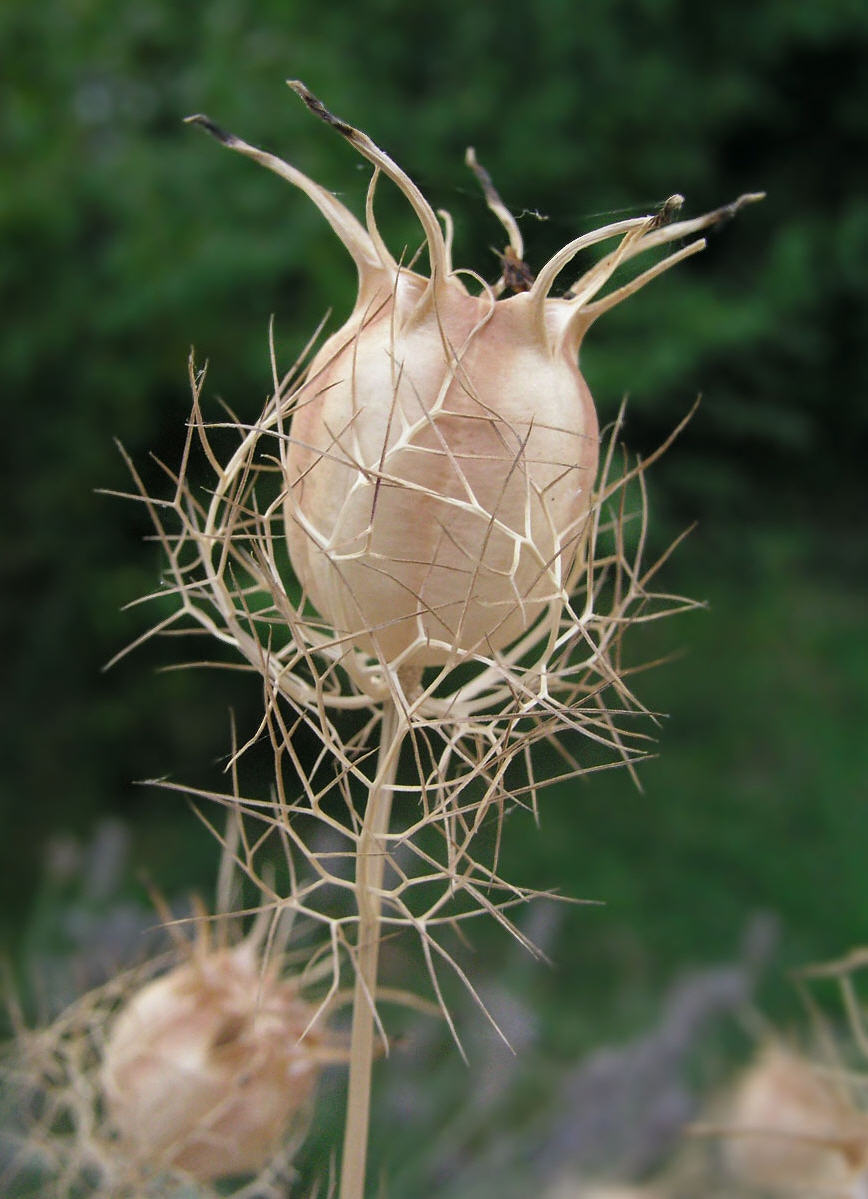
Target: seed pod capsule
443, 449
792, 1130
204, 1069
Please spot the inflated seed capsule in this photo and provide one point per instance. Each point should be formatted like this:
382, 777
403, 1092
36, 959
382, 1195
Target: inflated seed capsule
443, 448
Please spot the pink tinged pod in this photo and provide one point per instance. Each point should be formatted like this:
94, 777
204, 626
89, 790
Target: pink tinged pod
443, 449
440, 469
791, 1129
203, 1069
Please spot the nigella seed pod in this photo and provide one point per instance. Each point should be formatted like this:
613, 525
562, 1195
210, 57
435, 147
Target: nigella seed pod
204, 1067
792, 1128
449, 516
443, 448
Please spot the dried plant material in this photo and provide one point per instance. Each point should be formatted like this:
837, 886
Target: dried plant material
205, 1066
466, 556
792, 1128
196, 1066
467, 737
440, 466
577, 1188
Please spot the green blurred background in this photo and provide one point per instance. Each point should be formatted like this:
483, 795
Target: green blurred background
128, 237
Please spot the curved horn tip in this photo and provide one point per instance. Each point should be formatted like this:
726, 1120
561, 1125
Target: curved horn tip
199, 118
300, 88
729, 210
667, 210
318, 109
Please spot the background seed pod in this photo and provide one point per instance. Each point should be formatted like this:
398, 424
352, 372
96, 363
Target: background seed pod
205, 1066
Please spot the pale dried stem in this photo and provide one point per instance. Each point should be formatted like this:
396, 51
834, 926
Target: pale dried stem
371, 859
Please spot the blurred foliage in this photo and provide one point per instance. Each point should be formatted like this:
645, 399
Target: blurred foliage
129, 237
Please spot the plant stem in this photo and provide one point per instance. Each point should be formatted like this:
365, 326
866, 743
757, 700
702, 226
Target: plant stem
370, 863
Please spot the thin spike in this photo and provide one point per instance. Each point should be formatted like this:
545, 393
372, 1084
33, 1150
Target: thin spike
448, 233
361, 247
660, 235
496, 204
379, 158
386, 258
545, 279
516, 275
599, 275
590, 312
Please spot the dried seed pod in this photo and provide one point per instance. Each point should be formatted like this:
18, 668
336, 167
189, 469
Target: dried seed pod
443, 451
579, 1188
203, 1068
790, 1128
